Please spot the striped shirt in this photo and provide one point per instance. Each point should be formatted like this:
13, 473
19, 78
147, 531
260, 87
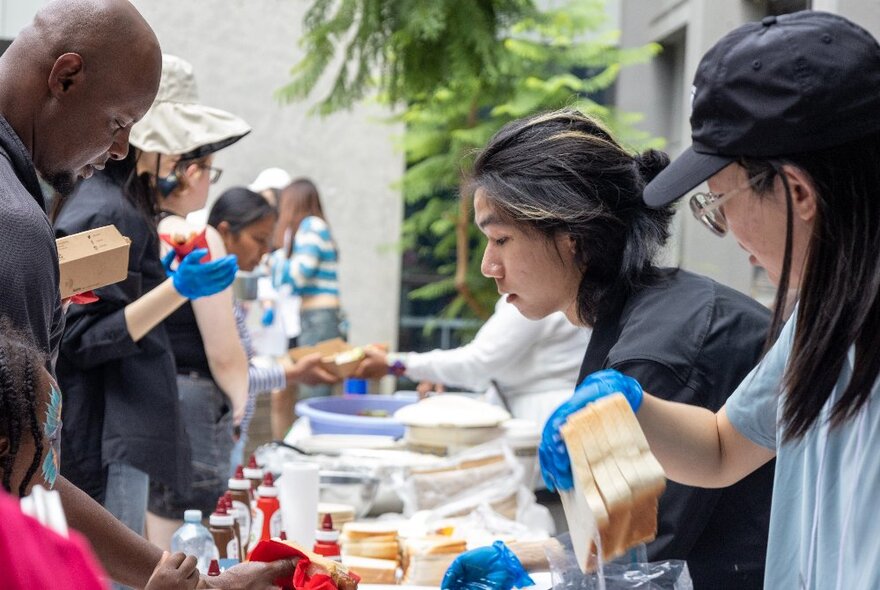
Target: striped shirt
260, 379
312, 268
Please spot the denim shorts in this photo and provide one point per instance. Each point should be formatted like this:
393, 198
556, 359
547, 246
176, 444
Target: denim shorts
318, 325
207, 417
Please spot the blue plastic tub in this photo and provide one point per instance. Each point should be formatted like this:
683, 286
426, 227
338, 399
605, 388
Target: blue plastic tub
339, 415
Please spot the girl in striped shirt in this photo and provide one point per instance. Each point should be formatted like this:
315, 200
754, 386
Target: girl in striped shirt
306, 263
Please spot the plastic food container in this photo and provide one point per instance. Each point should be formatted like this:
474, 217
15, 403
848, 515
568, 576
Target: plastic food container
358, 414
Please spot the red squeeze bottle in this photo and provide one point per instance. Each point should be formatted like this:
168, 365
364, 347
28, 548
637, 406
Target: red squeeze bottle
327, 540
268, 504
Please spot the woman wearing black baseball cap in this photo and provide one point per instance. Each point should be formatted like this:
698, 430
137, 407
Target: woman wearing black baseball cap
786, 130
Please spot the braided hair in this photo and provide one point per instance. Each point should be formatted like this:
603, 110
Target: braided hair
20, 366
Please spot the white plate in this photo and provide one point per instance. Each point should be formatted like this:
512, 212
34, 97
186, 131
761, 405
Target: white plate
322, 443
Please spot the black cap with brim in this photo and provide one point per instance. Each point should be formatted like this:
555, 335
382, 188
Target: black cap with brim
682, 175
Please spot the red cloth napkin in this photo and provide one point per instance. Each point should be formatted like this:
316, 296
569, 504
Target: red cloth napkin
269, 550
33, 556
195, 241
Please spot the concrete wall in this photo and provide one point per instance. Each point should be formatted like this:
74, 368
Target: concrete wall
241, 51
661, 90
15, 15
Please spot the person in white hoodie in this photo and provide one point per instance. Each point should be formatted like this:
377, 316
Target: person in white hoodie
528, 366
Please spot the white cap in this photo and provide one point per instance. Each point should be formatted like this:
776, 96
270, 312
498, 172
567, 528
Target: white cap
270, 178
221, 519
250, 473
267, 491
192, 516
239, 484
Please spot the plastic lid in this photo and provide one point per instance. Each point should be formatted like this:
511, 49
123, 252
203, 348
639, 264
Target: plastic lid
239, 482
192, 516
268, 489
253, 471
353, 385
327, 532
220, 517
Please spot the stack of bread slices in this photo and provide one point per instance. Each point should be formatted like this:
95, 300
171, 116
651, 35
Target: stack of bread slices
427, 558
617, 481
371, 550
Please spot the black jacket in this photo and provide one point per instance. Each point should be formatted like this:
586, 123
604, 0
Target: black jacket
691, 340
120, 397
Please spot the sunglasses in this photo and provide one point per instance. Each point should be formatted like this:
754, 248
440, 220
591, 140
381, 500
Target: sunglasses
706, 206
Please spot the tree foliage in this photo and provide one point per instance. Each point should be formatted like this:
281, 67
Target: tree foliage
461, 69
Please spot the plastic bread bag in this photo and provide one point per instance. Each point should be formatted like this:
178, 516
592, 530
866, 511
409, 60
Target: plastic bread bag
632, 571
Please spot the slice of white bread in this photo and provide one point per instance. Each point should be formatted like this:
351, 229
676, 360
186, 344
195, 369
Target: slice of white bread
364, 530
642, 470
617, 480
372, 571
583, 505
612, 485
377, 550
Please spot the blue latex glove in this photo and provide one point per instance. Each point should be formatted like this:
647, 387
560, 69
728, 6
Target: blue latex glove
194, 279
555, 464
268, 317
486, 568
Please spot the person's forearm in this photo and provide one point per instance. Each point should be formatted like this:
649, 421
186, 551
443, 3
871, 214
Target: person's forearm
148, 311
697, 447
126, 556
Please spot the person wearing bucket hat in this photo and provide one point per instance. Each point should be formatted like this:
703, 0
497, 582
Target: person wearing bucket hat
786, 131
70, 94
176, 142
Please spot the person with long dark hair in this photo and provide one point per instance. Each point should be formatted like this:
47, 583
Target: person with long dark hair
245, 221
786, 130
560, 201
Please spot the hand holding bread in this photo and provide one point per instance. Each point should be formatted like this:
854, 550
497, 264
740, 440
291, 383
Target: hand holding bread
553, 455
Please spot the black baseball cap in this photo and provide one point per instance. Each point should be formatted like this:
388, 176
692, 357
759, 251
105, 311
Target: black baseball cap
789, 84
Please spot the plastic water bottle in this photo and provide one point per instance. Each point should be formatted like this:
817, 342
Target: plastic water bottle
193, 538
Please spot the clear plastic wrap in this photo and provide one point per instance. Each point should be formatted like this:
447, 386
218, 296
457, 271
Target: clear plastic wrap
630, 572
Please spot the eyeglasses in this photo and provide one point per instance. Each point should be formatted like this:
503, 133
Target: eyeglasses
214, 173
706, 206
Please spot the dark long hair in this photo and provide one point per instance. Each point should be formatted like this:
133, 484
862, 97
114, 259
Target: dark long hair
239, 207
20, 377
839, 294
563, 172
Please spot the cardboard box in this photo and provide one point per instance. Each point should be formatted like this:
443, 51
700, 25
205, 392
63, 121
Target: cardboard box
338, 357
92, 259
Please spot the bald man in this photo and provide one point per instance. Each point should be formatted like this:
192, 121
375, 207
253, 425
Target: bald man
71, 86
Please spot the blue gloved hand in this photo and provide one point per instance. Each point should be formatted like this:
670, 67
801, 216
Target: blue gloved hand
486, 568
268, 317
194, 279
555, 464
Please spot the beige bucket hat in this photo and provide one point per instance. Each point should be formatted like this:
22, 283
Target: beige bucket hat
178, 124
